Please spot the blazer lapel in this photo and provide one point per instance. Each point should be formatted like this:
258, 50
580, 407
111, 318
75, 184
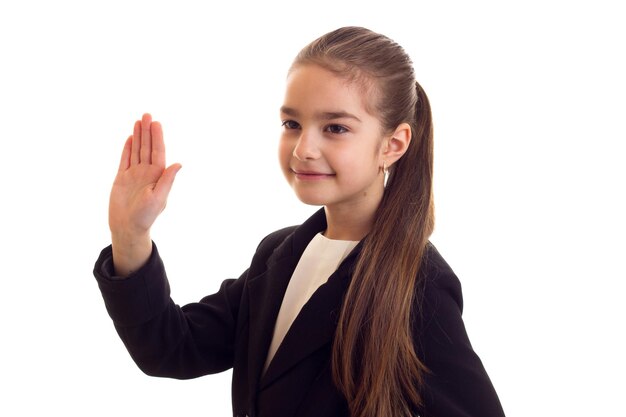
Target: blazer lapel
266, 296
266, 291
314, 326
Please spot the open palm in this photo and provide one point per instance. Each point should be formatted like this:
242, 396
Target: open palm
141, 187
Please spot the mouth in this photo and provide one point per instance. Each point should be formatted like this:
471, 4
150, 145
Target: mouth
311, 175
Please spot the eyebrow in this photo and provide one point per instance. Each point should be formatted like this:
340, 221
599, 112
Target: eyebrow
330, 115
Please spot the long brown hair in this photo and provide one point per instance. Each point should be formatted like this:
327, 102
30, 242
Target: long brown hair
374, 359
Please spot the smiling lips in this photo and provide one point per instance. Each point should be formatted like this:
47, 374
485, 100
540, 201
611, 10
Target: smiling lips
311, 175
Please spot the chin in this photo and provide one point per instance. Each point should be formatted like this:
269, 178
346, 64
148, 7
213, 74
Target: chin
311, 200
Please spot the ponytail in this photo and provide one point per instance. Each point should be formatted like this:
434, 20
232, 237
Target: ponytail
374, 361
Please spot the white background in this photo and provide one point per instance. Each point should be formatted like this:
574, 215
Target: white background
529, 107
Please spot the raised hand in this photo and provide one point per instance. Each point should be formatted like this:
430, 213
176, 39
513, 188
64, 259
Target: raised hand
139, 195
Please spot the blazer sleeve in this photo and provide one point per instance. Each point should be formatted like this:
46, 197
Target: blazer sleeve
457, 384
163, 338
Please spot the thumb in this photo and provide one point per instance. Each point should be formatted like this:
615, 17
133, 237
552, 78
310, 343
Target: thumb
164, 184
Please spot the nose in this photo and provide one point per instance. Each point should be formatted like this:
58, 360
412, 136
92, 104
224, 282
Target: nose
307, 147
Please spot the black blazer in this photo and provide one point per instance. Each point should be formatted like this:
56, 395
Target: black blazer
233, 329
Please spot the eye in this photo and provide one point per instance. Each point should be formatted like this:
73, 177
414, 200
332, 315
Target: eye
290, 124
336, 129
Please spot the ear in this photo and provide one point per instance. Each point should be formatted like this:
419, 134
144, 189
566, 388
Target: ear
395, 145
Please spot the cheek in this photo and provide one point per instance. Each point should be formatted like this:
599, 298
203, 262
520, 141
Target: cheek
284, 153
358, 169
355, 161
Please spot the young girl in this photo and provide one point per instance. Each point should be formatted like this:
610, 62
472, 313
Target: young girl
352, 313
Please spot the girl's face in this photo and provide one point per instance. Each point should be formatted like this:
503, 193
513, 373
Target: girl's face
330, 147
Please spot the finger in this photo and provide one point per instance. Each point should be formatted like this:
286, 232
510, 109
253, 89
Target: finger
125, 159
158, 145
164, 185
136, 144
146, 139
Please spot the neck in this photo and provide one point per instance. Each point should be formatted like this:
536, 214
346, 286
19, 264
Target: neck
349, 223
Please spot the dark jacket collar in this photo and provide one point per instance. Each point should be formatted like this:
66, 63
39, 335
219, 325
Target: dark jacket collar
298, 240
315, 325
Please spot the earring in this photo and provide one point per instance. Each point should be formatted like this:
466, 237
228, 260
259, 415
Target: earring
385, 173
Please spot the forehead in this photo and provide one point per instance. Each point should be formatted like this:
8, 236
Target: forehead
311, 86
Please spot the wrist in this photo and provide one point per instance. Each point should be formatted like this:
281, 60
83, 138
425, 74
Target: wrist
130, 252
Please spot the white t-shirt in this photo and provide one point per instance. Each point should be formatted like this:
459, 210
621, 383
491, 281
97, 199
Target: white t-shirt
318, 262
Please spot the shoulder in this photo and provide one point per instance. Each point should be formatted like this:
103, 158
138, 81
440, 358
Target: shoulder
438, 281
438, 305
270, 242
456, 379
269, 245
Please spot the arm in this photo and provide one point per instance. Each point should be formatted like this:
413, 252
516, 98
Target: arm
457, 385
138, 195
171, 341
162, 338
